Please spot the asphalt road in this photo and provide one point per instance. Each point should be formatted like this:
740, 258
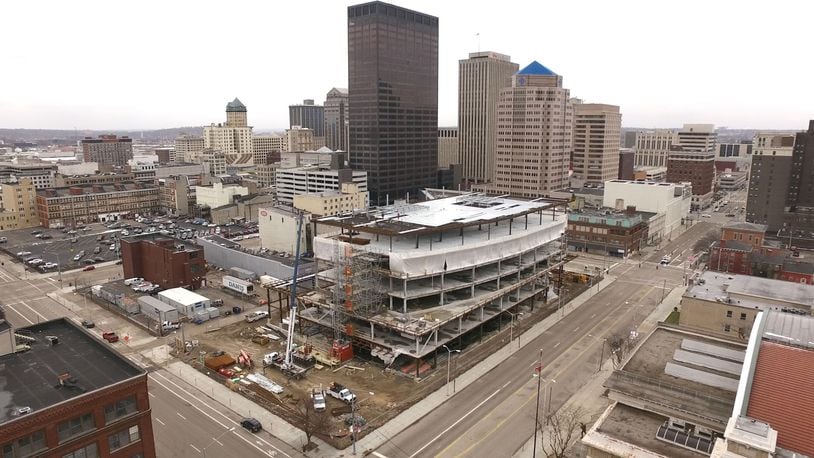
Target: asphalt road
495, 416
186, 424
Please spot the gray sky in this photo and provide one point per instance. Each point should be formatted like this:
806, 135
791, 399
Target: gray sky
154, 64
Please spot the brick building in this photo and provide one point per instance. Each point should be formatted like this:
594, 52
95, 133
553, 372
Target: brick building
697, 168
62, 207
108, 150
607, 232
83, 399
165, 261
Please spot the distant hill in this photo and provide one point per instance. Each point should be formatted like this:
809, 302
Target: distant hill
54, 136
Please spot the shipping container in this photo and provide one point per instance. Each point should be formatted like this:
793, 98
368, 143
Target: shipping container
157, 310
185, 301
238, 285
242, 274
213, 312
200, 315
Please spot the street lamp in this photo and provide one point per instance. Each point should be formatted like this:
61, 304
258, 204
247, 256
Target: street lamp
449, 359
511, 329
203, 450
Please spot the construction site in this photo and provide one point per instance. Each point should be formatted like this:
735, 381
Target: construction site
405, 282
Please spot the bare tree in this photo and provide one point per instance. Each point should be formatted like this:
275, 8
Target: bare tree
620, 345
562, 427
313, 422
706, 240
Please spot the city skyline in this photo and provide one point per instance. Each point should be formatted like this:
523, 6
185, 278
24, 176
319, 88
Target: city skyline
653, 62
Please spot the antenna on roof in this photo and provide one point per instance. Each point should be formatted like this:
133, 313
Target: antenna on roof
477, 35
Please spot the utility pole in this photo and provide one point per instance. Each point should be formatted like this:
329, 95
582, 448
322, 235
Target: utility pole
663, 288
353, 421
537, 410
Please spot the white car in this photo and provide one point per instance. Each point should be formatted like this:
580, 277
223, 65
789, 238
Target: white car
319, 400
36, 261
133, 281
254, 316
665, 260
707, 215
23, 253
50, 265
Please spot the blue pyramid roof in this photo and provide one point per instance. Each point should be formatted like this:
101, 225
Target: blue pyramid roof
536, 68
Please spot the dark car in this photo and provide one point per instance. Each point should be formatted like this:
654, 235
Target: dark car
251, 424
88, 324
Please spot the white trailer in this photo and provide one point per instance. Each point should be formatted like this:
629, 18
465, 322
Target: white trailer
238, 285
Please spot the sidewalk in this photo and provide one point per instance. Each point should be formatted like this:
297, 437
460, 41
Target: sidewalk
591, 397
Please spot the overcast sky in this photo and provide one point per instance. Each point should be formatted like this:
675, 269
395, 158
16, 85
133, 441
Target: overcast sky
156, 64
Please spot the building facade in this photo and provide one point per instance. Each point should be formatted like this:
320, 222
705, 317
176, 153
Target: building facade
267, 148
300, 138
234, 138
218, 194
108, 150
670, 202
163, 260
697, 168
336, 119
534, 132
699, 138
213, 162
799, 207
653, 146
393, 97
328, 203
277, 227
176, 195
18, 205
447, 147
74, 411
41, 175
315, 179
743, 149
597, 134
626, 161
188, 148
64, 207
309, 116
769, 177
618, 234
480, 79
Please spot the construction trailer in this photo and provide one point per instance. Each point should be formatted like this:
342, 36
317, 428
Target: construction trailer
402, 281
157, 310
185, 301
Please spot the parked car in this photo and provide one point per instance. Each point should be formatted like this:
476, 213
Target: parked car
79, 255
133, 281
110, 336
87, 268
96, 250
251, 424
217, 302
255, 316
319, 400
99, 259
45, 236
88, 324
89, 261
50, 265
23, 253
3, 239
35, 262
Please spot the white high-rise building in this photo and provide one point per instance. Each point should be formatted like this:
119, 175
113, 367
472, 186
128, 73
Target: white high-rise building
480, 79
234, 138
534, 133
653, 146
698, 138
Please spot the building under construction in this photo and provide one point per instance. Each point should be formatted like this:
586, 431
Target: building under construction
402, 281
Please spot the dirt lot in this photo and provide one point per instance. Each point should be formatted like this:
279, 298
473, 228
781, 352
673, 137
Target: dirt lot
381, 394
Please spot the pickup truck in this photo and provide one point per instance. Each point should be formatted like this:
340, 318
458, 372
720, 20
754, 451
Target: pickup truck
340, 392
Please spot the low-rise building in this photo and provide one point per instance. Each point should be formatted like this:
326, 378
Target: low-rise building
62, 181
315, 179
41, 175
213, 162
219, 194
245, 208
726, 304
62, 207
654, 174
18, 205
267, 148
300, 138
265, 174
607, 232
731, 181
277, 227
327, 203
69, 394
188, 148
176, 195
163, 260
669, 202
108, 149
696, 167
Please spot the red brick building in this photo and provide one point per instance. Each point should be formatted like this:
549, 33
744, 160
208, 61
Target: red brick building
163, 260
697, 168
83, 398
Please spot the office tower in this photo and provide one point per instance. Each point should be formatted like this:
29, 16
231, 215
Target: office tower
300, 139
534, 129
308, 115
393, 98
336, 119
480, 79
234, 138
18, 205
267, 148
698, 138
597, 134
693, 160
652, 147
780, 180
626, 163
188, 148
107, 150
448, 147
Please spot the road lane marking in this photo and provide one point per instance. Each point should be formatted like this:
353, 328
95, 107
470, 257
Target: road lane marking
196, 448
506, 384
151, 395
18, 313
593, 316
173, 392
454, 424
159, 420
377, 454
179, 414
219, 442
36, 312
533, 395
557, 345
576, 329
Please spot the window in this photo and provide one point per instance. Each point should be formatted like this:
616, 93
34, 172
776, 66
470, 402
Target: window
89, 451
123, 438
743, 316
75, 426
25, 446
726, 328
120, 409
729, 313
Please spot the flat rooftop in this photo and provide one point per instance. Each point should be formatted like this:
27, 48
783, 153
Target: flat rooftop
638, 428
30, 379
438, 215
684, 370
748, 291
183, 296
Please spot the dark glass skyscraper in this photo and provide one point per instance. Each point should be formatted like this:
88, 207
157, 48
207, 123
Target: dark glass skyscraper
393, 98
